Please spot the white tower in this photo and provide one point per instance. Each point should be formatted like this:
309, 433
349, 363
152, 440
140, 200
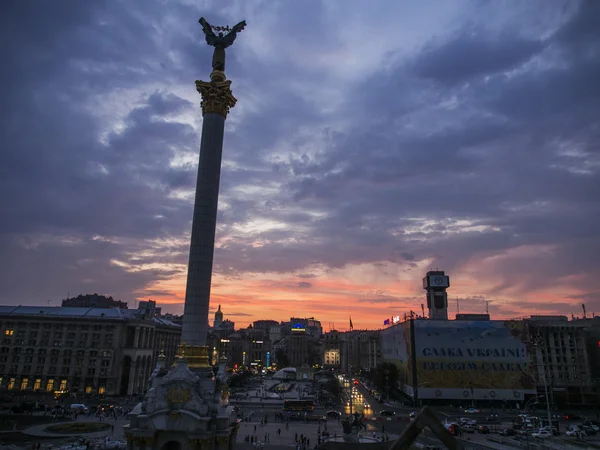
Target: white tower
435, 283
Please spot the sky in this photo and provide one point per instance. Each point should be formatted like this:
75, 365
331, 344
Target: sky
371, 142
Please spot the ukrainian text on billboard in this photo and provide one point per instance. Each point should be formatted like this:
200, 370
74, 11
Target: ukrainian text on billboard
487, 357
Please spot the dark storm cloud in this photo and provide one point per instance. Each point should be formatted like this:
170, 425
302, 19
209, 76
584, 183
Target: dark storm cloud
473, 53
493, 159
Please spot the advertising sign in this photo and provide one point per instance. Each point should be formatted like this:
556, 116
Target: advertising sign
395, 349
472, 360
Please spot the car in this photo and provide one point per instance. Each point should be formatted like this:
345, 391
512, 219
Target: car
492, 418
468, 429
334, 414
412, 415
592, 424
387, 413
572, 416
541, 434
466, 421
507, 432
588, 429
483, 429
315, 418
471, 411
79, 408
576, 433
555, 431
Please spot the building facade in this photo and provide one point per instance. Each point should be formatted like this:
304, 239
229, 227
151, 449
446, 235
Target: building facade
85, 350
564, 357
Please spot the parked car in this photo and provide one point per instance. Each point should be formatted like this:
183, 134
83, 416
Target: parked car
334, 414
575, 432
541, 434
589, 429
387, 413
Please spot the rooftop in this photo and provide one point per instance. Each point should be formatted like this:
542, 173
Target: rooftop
81, 313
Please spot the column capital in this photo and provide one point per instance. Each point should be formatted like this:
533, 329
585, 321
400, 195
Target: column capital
216, 94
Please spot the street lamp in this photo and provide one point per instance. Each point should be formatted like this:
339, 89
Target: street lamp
537, 345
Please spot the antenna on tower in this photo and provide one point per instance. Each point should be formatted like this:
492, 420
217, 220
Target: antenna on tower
487, 307
584, 312
49, 301
457, 306
423, 309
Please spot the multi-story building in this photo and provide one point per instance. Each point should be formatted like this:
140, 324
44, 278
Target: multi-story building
93, 350
562, 358
360, 349
309, 326
331, 350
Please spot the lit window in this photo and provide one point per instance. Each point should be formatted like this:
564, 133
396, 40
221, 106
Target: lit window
101, 390
11, 384
9, 332
63, 385
88, 389
37, 384
50, 386
24, 383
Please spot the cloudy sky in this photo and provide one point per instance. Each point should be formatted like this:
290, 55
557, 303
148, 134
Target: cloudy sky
371, 142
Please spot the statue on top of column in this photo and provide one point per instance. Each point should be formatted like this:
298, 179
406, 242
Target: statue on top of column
220, 41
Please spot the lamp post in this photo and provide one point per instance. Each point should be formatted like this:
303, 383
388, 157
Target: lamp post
537, 345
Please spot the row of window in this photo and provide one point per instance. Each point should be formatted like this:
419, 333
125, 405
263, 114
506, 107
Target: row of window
51, 385
53, 369
66, 361
56, 352
57, 326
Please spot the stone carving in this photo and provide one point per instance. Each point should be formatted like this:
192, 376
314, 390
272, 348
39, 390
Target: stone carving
178, 394
216, 96
175, 390
351, 426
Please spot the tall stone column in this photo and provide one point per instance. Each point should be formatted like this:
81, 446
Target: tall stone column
217, 99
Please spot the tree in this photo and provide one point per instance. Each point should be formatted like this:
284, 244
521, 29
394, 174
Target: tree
282, 359
386, 377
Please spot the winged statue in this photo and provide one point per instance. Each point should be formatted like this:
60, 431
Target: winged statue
220, 41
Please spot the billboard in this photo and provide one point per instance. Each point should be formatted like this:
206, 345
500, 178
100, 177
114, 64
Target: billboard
396, 349
463, 359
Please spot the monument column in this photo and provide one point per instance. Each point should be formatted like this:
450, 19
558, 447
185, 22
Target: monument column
217, 99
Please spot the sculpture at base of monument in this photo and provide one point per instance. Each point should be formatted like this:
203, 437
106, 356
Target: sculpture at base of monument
220, 41
351, 426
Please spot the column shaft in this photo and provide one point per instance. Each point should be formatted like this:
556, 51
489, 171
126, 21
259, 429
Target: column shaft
195, 319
